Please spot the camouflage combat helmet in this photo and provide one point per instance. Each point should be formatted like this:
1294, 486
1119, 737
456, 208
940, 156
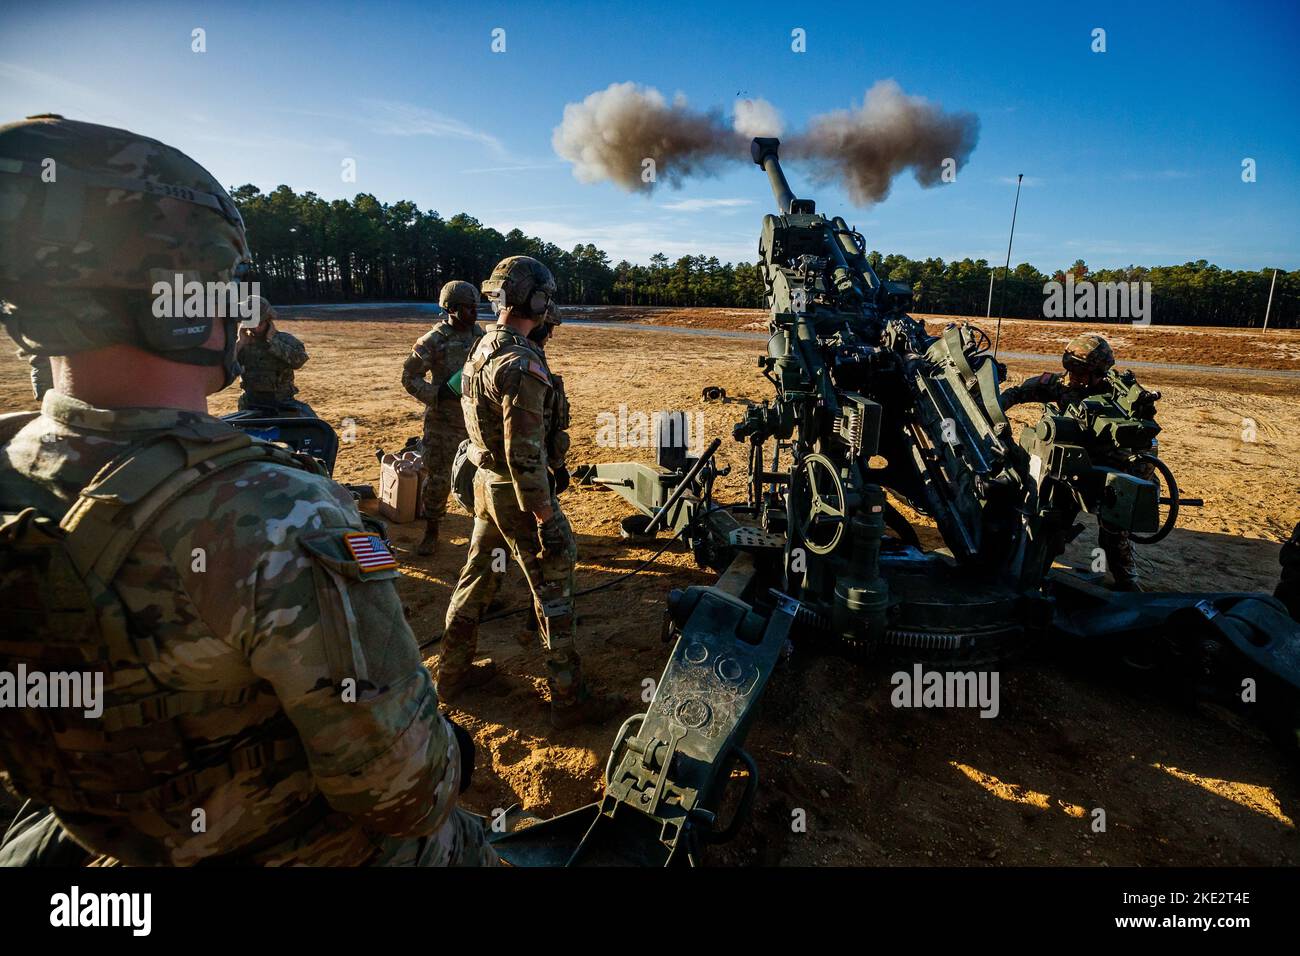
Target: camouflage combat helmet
92, 220
553, 315
255, 310
520, 281
456, 293
1088, 353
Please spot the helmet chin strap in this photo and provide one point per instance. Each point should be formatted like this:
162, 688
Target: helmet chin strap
210, 357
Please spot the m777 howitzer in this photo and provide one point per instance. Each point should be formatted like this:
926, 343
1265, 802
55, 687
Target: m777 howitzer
868, 401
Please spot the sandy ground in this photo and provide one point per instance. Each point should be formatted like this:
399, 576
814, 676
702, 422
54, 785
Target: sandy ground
1184, 345
878, 785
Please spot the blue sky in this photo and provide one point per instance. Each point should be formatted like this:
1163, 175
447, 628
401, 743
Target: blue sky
1130, 156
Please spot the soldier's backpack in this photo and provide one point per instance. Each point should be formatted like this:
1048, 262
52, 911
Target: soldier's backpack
63, 616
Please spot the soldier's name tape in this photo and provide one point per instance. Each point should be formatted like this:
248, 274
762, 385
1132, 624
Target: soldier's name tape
72, 690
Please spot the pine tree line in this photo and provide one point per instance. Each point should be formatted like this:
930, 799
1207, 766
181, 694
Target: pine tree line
311, 250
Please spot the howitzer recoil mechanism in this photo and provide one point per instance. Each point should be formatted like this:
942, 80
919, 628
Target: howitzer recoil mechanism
869, 404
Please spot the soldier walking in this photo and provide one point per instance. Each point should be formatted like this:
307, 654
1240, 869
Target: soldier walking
507, 389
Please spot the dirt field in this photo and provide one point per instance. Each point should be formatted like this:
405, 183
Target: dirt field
1245, 348
879, 785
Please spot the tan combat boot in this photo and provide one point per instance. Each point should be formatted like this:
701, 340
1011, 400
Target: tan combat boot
480, 673
429, 543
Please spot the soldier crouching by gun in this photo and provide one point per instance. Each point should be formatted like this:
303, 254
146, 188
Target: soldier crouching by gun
261, 698
435, 360
506, 392
267, 359
1088, 361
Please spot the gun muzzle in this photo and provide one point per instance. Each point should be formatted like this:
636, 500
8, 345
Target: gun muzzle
764, 152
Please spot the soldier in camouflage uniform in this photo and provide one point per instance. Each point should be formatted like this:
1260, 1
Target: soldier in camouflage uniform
1086, 361
264, 701
435, 360
267, 359
507, 393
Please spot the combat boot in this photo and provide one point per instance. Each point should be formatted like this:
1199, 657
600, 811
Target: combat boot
589, 708
479, 674
1125, 583
429, 543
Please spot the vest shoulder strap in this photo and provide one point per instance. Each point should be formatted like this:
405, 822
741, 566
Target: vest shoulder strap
118, 505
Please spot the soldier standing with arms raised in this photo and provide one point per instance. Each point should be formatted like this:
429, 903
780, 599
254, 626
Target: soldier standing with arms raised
507, 390
268, 359
434, 361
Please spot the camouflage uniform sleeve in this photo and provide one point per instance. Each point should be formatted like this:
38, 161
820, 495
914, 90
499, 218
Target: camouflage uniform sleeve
525, 388
1038, 388
288, 349
329, 637
415, 370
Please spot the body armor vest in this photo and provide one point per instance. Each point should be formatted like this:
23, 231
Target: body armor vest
57, 588
483, 419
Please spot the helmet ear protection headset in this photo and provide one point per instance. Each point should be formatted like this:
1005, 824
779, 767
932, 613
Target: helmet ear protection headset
538, 301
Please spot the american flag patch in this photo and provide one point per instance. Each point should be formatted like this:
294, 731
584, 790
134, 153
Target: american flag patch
369, 551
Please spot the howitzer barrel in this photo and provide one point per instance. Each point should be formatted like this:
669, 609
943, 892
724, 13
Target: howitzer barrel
764, 152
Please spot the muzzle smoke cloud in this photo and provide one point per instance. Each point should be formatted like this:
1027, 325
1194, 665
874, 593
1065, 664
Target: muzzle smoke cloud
610, 135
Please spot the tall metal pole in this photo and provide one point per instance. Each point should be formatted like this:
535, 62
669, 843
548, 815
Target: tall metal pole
989, 313
1268, 308
1006, 272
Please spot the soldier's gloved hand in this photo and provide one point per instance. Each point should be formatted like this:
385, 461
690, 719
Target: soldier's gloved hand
560, 479
465, 743
551, 534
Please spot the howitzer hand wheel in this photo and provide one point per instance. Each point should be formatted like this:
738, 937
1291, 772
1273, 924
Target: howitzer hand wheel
822, 498
1169, 498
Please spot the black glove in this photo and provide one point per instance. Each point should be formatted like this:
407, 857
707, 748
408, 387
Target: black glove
465, 743
559, 479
